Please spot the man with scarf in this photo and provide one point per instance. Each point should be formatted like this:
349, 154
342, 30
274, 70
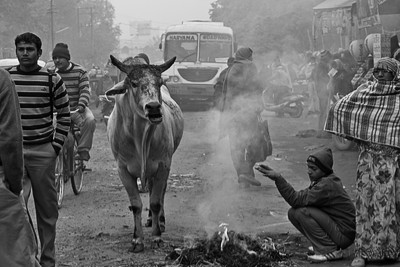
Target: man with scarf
370, 116
241, 107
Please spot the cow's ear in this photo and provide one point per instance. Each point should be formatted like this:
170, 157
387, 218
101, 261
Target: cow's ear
117, 89
121, 66
163, 67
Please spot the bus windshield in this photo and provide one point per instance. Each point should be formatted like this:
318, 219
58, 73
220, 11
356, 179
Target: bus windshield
215, 47
183, 46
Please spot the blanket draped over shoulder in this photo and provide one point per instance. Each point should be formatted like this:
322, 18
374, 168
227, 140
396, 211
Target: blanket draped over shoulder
371, 113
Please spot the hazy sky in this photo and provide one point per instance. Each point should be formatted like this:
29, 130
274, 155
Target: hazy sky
162, 13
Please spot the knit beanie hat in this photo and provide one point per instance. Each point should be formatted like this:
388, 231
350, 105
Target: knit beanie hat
244, 53
323, 159
61, 50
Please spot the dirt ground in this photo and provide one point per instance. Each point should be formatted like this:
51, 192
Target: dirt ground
95, 228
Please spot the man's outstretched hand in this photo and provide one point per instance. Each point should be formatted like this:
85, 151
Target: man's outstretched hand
267, 171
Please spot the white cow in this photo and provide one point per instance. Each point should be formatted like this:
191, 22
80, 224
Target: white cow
144, 130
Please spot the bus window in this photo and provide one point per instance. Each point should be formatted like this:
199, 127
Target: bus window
215, 47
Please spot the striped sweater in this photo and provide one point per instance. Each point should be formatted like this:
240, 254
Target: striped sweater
36, 111
76, 81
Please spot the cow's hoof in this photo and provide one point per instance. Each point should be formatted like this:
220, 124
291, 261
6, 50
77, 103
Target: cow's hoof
157, 243
149, 223
137, 247
162, 227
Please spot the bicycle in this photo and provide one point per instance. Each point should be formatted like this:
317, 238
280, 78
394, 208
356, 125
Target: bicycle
68, 166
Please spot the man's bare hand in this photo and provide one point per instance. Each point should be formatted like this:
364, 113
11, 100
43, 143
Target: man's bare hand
268, 171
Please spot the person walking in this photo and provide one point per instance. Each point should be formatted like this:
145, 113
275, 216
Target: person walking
39, 94
218, 86
18, 246
323, 212
321, 78
240, 117
76, 81
370, 116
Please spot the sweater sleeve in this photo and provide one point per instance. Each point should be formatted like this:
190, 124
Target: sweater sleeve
63, 119
11, 155
317, 195
84, 89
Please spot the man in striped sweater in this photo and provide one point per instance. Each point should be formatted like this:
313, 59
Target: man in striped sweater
39, 94
76, 81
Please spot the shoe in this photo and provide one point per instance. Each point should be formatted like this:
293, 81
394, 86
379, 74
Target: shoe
332, 256
310, 251
358, 262
248, 179
83, 155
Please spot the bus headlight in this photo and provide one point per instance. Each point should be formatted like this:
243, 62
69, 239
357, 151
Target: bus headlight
173, 79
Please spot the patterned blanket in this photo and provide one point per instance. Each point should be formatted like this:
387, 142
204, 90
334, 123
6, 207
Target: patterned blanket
370, 113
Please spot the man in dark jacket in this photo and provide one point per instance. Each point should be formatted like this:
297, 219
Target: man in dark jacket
218, 86
240, 110
323, 212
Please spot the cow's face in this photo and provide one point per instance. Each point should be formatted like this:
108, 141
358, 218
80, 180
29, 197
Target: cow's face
142, 87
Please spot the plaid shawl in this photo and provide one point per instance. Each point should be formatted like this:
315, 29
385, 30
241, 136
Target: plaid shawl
371, 113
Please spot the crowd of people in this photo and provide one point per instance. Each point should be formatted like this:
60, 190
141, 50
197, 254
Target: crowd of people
356, 101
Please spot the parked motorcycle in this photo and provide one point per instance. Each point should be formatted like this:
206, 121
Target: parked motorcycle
292, 104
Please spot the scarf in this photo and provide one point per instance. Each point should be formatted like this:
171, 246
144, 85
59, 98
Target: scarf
371, 113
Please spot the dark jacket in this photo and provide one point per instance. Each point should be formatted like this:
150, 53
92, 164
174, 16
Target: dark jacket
329, 196
218, 86
243, 84
11, 157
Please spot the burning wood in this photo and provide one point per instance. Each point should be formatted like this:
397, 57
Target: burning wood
228, 248
224, 235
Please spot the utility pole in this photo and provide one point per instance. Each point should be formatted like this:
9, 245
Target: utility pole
91, 29
52, 24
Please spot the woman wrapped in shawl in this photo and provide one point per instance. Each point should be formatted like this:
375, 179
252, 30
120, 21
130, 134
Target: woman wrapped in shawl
371, 116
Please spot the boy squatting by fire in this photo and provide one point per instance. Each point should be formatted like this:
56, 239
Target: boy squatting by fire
323, 212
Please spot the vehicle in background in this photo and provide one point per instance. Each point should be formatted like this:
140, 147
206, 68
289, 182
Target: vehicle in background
291, 104
202, 49
10, 62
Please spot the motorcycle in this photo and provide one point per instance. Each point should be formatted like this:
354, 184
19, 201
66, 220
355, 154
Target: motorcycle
292, 104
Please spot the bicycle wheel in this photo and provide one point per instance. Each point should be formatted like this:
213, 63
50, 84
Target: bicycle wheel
77, 177
59, 171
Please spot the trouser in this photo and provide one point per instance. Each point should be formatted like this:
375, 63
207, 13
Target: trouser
324, 105
87, 124
319, 228
18, 246
241, 132
39, 177
242, 163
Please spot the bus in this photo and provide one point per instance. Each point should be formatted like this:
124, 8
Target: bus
202, 49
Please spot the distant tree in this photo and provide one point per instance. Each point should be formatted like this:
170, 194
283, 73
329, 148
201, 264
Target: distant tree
74, 21
267, 25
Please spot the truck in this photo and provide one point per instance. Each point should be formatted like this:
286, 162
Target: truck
202, 49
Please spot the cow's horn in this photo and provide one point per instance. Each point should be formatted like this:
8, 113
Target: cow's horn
167, 64
121, 66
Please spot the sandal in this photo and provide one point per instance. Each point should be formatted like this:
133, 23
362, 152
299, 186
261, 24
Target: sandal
358, 262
